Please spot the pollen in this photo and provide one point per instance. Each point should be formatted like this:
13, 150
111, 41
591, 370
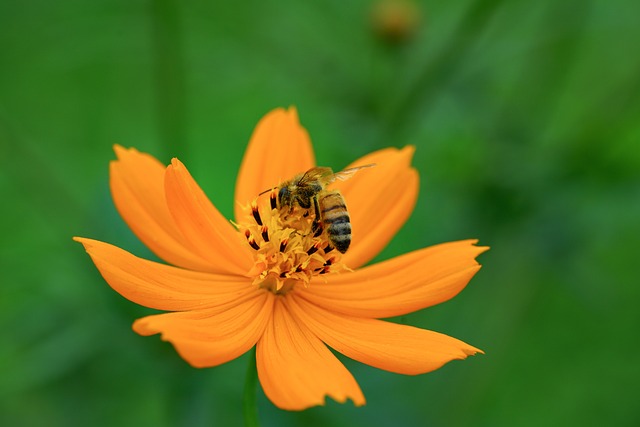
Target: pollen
288, 251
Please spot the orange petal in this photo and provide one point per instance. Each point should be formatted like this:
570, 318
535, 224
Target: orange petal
160, 286
384, 345
214, 336
279, 149
380, 200
210, 234
400, 285
137, 188
296, 369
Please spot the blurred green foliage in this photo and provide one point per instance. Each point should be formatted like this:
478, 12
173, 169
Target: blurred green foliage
525, 116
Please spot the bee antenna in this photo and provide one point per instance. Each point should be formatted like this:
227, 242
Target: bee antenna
266, 191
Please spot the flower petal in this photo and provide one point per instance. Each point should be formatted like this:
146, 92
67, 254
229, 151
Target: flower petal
210, 337
279, 149
137, 188
160, 286
380, 200
296, 369
210, 234
400, 285
384, 345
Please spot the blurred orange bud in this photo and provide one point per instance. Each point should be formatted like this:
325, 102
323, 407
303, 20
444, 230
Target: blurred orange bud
395, 21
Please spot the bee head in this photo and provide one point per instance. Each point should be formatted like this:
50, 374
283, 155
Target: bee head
284, 196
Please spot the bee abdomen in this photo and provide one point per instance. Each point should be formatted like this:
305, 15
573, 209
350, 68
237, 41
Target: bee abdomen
337, 221
339, 233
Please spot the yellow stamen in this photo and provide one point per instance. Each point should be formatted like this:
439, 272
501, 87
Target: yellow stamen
289, 254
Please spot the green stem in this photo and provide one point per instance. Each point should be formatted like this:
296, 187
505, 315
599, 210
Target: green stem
249, 406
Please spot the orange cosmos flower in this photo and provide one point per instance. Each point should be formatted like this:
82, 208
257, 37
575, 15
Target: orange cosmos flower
268, 280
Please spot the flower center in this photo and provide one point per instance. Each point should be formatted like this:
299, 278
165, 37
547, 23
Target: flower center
290, 247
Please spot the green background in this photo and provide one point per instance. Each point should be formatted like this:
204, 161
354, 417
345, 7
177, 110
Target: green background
526, 119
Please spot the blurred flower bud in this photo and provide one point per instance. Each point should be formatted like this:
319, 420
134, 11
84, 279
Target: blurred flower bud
395, 21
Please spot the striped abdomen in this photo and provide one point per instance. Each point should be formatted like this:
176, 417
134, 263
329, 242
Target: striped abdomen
335, 220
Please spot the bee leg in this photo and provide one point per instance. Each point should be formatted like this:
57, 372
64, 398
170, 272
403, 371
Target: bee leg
316, 226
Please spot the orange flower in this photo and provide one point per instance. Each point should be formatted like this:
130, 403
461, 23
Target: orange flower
276, 285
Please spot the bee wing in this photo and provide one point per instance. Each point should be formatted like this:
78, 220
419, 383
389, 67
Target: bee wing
347, 173
315, 174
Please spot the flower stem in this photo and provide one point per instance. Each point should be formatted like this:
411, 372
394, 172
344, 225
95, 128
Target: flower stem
249, 406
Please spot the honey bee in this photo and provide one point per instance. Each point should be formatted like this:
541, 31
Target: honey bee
308, 190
